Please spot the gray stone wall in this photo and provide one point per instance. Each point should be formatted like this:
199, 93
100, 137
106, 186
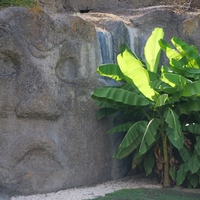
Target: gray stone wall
84, 5
49, 136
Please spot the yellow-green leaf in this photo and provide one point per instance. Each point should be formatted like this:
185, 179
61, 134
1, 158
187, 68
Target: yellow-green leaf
135, 73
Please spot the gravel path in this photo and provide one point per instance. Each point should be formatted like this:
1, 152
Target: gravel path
86, 193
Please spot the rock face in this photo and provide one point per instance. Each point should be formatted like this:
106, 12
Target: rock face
90, 5
50, 138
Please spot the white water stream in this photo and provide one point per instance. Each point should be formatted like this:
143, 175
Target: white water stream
107, 41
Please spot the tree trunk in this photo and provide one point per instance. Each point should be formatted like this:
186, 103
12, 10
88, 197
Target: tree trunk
166, 179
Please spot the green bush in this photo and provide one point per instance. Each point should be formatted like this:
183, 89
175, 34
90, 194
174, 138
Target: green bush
20, 3
159, 107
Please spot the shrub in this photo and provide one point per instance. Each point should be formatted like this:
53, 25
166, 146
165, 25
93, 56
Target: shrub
159, 107
20, 3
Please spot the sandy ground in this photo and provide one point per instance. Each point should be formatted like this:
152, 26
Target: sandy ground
86, 193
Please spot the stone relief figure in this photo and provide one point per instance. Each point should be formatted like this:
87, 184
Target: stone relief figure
49, 136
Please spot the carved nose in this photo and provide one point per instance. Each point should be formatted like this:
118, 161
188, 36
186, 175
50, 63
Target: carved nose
40, 106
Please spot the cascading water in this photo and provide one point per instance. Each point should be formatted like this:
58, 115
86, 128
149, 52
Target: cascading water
133, 39
106, 46
109, 43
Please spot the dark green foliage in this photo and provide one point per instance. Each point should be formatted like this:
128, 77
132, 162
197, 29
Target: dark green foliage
20, 3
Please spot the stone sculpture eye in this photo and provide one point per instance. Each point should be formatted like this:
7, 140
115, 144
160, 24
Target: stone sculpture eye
67, 69
9, 64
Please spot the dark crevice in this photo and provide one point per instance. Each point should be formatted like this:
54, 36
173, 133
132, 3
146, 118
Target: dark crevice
87, 10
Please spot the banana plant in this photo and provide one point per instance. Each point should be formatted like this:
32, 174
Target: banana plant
158, 107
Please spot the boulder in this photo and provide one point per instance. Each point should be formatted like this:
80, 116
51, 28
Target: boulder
50, 137
96, 5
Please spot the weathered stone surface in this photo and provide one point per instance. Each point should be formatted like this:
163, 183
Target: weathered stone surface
134, 26
50, 138
90, 5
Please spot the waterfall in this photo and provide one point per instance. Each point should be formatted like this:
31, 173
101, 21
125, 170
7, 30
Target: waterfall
109, 42
133, 39
106, 46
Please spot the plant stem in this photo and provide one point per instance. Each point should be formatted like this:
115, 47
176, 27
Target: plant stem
166, 179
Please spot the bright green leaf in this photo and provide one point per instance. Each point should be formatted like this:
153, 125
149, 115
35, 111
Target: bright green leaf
171, 53
134, 72
152, 50
189, 51
174, 80
119, 95
111, 70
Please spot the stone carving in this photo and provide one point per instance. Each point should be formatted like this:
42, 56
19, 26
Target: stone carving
49, 136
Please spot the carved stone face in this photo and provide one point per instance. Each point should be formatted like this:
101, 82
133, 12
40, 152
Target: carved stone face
49, 137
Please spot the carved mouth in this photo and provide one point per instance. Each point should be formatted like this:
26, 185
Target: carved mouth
37, 155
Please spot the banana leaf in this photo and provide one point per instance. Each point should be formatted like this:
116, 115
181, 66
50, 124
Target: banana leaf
134, 73
178, 143
197, 145
194, 163
161, 86
194, 180
162, 100
185, 154
191, 89
149, 135
171, 53
188, 107
181, 175
137, 159
112, 71
104, 112
132, 139
118, 95
174, 131
149, 162
152, 50
121, 128
174, 80
189, 51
